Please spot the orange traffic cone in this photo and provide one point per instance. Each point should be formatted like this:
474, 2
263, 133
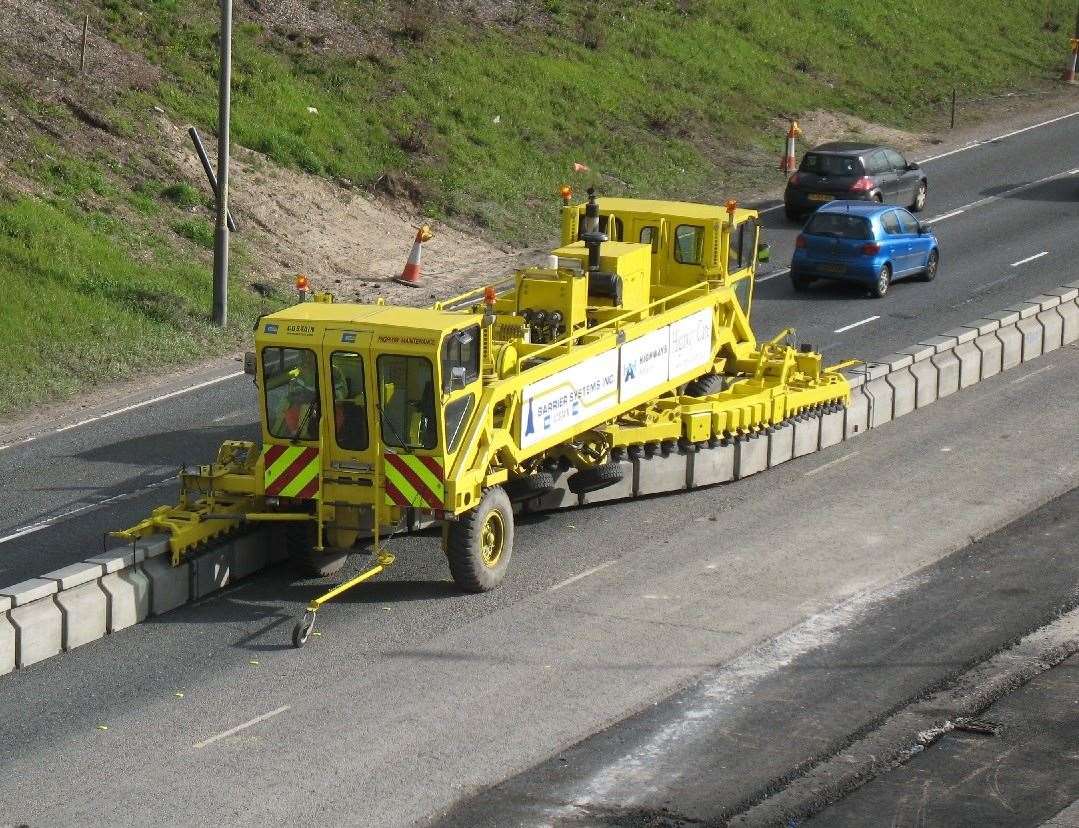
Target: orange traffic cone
411, 274
789, 163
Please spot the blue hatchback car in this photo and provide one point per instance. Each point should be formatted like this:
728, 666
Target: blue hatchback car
866, 243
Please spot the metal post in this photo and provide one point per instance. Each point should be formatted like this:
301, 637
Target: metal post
1073, 60
953, 108
82, 56
221, 238
209, 170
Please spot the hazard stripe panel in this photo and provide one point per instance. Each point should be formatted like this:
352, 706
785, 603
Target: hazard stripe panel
414, 481
291, 471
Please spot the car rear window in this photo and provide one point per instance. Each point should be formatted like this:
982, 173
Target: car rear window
823, 164
839, 225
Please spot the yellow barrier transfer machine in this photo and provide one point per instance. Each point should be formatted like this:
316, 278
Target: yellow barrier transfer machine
633, 341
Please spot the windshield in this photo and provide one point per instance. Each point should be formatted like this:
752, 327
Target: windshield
823, 164
407, 399
839, 225
290, 377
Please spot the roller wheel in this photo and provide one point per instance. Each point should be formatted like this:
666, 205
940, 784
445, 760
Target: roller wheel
526, 488
302, 631
706, 386
595, 478
480, 543
300, 541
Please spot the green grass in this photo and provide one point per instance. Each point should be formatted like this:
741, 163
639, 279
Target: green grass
80, 309
659, 98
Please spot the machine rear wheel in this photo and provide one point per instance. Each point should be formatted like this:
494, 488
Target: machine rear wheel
300, 541
480, 543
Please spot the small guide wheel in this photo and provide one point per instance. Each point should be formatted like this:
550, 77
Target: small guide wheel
302, 631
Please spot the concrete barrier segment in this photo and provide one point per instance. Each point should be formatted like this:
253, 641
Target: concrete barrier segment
926, 378
904, 391
831, 429
992, 351
84, 612
983, 326
128, 598
856, 419
1025, 309
880, 396
1069, 313
970, 362
712, 465
897, 361
38, 632
1052, 329
170, 586
1032, 337
1066, 294
7, 644
26, 592
750, 456
119, 558
806, 435
250, 553
1005, 318
211, 571
1045, 301
781, 445
660, 474
76, 574
152, 546
940, 343
1011, 341
919, 352
947, 365
962, 334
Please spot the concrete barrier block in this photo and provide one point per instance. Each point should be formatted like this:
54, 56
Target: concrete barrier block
153, 545
947, 365
1065, 294
983, 326
1052, 329
170, 586
806, 436
876, 370
880, 396
250, 554
831, 429
119, 558
962, 334
897, 361
991, 350
1005, 318
712, 465
904, 391
856, 419
1074, 284
128, 598
84, 610
1032, 335
619, 491
69, 577
26, 592
1011, 342
1069, 312
1026, 309
661, 474
940, 343
970, 363
925, 383
781, 445
7, 644
855, 376
38, 632
1045, 301
750, 456
918, 353
211, 571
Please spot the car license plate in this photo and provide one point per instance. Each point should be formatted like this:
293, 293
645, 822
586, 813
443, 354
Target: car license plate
834, 267
821, 197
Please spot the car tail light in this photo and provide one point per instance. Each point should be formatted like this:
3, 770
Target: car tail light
862, 185
795, 179
800, 242
871, 249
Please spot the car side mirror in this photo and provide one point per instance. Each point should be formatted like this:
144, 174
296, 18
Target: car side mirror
764, 252
923, 229
249, 363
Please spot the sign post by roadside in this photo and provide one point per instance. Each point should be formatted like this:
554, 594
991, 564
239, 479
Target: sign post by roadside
221, 237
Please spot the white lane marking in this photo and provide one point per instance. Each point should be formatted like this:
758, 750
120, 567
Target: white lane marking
782, 272
999, 137
856, 324
228, 416
830, 463
1030, 258
584, 574
1025, 377
943, 216
244, 726
770, 209
89, 507
981, 202
125, 409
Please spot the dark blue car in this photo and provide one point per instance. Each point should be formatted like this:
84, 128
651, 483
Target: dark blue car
869, 244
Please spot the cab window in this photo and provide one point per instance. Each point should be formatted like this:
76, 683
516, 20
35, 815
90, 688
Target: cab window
650, 235
349, 401
742, 250
742, 290
290, 380
457, 414
689, 244
461, 358
407, 401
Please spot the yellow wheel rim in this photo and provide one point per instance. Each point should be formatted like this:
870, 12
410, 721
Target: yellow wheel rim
492, 538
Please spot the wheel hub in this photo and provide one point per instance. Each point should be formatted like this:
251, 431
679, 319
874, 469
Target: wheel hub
492, 538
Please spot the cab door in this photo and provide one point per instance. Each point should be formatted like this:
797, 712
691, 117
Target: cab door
652, 231
349, 421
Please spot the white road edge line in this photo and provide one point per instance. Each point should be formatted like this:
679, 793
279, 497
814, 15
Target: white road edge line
943, 216
778, 273
127, 408
1025, 377
243, 726
830, 463
856, 324
998, 137
584, 574
1030, 258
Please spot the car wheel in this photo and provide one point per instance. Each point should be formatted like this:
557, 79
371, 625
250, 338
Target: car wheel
931, 266
792, 214
800, 283
884, 281
879, 198
919, 199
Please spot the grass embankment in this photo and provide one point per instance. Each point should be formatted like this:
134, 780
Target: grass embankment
478, 122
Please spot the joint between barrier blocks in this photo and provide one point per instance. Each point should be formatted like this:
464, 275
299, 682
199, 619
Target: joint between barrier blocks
970, 363
26, 592
1032, 335
919, 352
983, 326
940, 343
128, 598
1025, 309
1045, 300
962, 334
947, 365
879, 394
7, 644
1066, 294
1069, 312
170, 586
926, 379
76, 574
1052, 329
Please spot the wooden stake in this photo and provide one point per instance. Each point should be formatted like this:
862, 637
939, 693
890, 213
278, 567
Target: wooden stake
82, 58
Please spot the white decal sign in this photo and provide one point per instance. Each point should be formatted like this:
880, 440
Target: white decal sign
556, 402
644, 364
691, 342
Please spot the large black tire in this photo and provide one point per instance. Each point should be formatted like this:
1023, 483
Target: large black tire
300, 541
706, 386
919, 198
930, 272
595, 478
884, 281
526, 488
480, 543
